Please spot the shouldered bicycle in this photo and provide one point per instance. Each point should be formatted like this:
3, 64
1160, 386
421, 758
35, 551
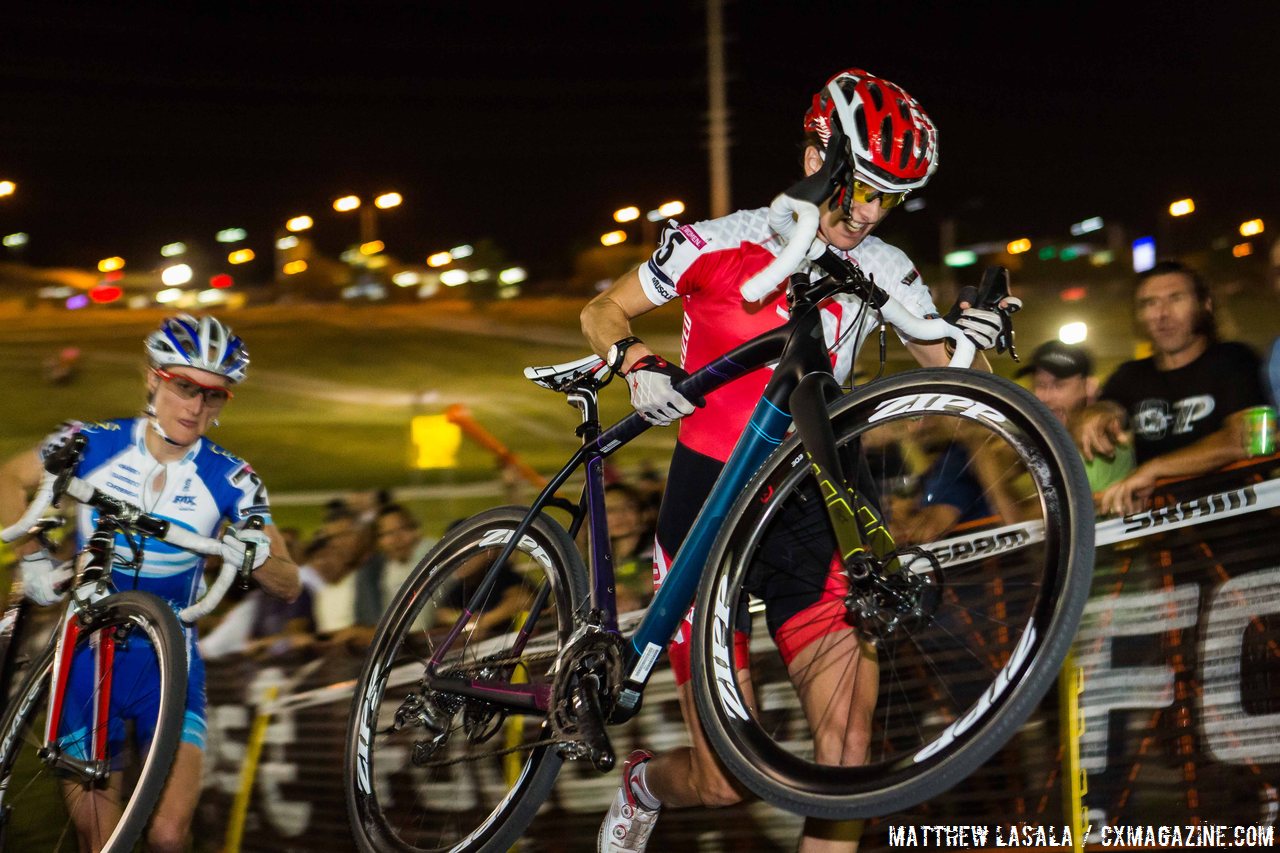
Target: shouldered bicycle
502, 655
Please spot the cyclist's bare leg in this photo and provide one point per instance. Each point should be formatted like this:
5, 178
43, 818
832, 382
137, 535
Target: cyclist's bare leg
692, 775
837, 677
94, 812
168, 829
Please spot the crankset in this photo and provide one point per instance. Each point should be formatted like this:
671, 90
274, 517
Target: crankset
587, 681
894, 595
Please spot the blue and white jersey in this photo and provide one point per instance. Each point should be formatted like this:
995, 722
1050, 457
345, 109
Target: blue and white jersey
205, 488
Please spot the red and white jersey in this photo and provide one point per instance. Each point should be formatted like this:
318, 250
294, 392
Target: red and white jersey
705, 263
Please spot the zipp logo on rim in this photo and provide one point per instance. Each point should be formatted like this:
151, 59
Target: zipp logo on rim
502, 537
924, 403
722, 655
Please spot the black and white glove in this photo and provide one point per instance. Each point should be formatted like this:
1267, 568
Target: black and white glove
233, 547
653, 394
42, 579
984, 326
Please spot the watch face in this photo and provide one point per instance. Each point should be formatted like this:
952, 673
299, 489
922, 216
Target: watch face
612, 356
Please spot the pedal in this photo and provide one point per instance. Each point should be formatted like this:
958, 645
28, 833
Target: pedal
590, 718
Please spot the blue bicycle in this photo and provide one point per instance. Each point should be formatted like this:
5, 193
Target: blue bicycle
502, 656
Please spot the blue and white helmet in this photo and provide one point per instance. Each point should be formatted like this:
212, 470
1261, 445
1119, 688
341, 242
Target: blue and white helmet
203, 343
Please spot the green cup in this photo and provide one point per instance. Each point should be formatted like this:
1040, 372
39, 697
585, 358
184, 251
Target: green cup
1259, 431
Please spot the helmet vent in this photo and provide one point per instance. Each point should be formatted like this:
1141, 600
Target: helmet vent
908, 147
877, 96
886, 138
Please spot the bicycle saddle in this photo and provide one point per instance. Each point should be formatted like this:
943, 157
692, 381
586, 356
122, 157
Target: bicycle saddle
571, 374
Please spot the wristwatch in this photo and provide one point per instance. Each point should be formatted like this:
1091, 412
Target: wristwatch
618, 351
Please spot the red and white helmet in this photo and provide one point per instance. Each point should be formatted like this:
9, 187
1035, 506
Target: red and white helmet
893, 143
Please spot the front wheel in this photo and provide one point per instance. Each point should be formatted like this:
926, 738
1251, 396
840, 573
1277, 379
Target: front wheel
428, 770
55, 789
903, 669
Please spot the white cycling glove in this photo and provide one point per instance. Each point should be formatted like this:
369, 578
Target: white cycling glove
41, 578
233, 547
983, 325
653, 394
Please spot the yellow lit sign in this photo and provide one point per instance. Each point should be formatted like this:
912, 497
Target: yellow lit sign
111, 264
1252, 228
436, 441
240, 256
373, 247
439, 259
299, 223
295, 267
1182, 207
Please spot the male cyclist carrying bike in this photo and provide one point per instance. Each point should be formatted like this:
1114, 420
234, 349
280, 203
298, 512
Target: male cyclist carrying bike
161, 463
892, 150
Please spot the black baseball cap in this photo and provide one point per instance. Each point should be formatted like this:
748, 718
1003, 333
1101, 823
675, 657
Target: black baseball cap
1062, 360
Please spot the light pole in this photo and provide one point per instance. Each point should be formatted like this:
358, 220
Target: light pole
368, 213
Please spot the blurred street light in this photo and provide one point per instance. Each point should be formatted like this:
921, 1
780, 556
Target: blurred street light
439, 259
670, 208
513, 275
1252, 228
1093, 223
453, 278
8, 188
111, 264
231, 235
13, 241
176, 275
463, 251
1017, 247
346, 203
373, 247
299, 223
172, 250
1182, 207
1242, 250
1073, 333
1144, 254
613, 238
286, 243
240, 256
172, 294
626, 214
961, 258
295, 267
388, 200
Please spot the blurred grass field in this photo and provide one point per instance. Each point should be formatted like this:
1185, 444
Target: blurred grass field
333, 388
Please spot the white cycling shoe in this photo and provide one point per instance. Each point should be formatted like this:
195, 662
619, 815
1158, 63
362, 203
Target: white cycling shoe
627, 827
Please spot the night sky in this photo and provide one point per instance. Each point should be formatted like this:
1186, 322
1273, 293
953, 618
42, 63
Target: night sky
531, 123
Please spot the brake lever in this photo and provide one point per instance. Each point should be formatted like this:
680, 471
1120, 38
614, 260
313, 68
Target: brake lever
991, 290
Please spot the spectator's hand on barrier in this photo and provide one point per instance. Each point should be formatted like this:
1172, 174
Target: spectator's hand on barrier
1130, 495
1100, 433
653, 394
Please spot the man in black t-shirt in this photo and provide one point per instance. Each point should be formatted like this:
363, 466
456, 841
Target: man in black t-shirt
1180, 407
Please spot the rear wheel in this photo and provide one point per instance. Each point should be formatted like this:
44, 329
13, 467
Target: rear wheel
50, 789
428, 770
912, 668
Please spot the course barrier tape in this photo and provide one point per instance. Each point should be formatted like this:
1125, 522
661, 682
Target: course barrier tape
959, 550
